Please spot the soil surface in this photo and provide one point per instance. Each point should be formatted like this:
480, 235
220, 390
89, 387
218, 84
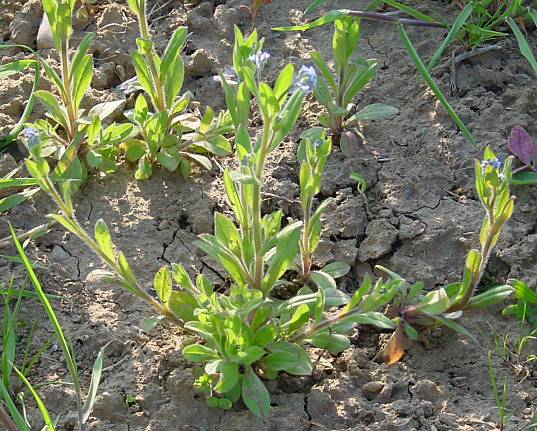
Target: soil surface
420, 219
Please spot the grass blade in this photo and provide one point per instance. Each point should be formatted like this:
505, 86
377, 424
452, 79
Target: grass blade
65, 346
432, 85
39, 401
523, 45
15, 415
457, 26
94, 385
17, 182
410, 11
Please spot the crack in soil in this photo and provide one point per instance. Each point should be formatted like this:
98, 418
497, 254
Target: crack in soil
310, 426
165, 246
77, 261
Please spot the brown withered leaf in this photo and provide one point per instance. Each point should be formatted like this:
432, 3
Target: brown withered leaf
395, 349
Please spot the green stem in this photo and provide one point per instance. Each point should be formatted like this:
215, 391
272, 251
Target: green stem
306, 254
67, 96
155, 76
256, 209
485, 254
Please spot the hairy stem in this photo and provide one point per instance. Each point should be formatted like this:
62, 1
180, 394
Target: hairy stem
256, 208
155, 76
306, 253
67, 96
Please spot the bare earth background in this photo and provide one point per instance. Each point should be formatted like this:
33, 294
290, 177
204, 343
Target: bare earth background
422, 217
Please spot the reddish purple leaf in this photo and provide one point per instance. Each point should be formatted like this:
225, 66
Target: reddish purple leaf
522, 145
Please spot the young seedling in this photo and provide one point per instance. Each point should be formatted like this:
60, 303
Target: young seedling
248, 333
337, 90
522, 145
168, 135
446, 304
65, 134
313, 154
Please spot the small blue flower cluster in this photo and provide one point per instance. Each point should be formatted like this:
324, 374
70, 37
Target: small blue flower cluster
260, 58
306, 79
496, 164
31, 136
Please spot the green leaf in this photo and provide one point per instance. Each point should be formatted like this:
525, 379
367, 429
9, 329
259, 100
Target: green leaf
104, 240
169, 158
40, 404
53, 106
434, 302
373, 318
134, 149
323, 280
288, 357
334, 297
300, 317
284, 82
163, 284
94, 385
15, 199
324, 69
172, 53
145, 169
454, 326
362, 77
523, 292
471, 274
203, 161
255, 394
334, 343
199, 353
16, 66
225, 230
415, 290
142, 72
375, 111
105, 109
183, 305
82, 80
16, 416
336, 269
524, 178
411, 332
250, 355
286, 250
453, 33
265, 335
490, 297
173, 82
523, 45
64, 344
229, 376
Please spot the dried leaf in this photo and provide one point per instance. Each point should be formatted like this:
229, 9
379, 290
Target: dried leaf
395, 349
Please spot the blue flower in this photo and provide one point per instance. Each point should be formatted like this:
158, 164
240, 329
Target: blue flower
230, 76
260, 58
306, 79
495, 164
31, 136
